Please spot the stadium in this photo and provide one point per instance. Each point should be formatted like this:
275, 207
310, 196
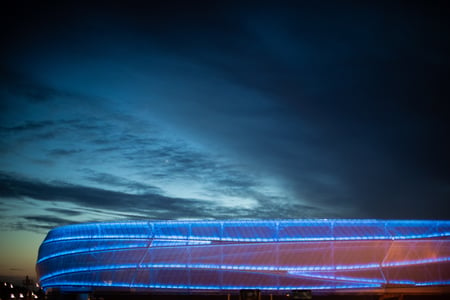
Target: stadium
273, 257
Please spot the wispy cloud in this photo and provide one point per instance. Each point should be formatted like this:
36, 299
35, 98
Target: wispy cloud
143, 162
136, 205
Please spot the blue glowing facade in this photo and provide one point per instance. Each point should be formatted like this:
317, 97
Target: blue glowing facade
226, 256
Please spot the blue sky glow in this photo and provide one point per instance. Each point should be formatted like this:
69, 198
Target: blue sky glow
210, 110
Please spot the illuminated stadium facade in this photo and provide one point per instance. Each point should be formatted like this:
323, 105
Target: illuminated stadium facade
227, 256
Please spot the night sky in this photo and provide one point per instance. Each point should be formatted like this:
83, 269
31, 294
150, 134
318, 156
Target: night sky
219, 110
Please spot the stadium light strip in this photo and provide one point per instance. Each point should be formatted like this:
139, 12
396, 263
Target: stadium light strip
210, 287
257, 240
341, 278
292, 270
125, 246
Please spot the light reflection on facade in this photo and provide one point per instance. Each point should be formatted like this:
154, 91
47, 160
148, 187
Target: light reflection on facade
276, 255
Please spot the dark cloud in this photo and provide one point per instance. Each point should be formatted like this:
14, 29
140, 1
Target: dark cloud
14, 84
85, 196
20, 224
34, 226
23, 86
65, 211
63, 152
116, 181
29, 125
47, 221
